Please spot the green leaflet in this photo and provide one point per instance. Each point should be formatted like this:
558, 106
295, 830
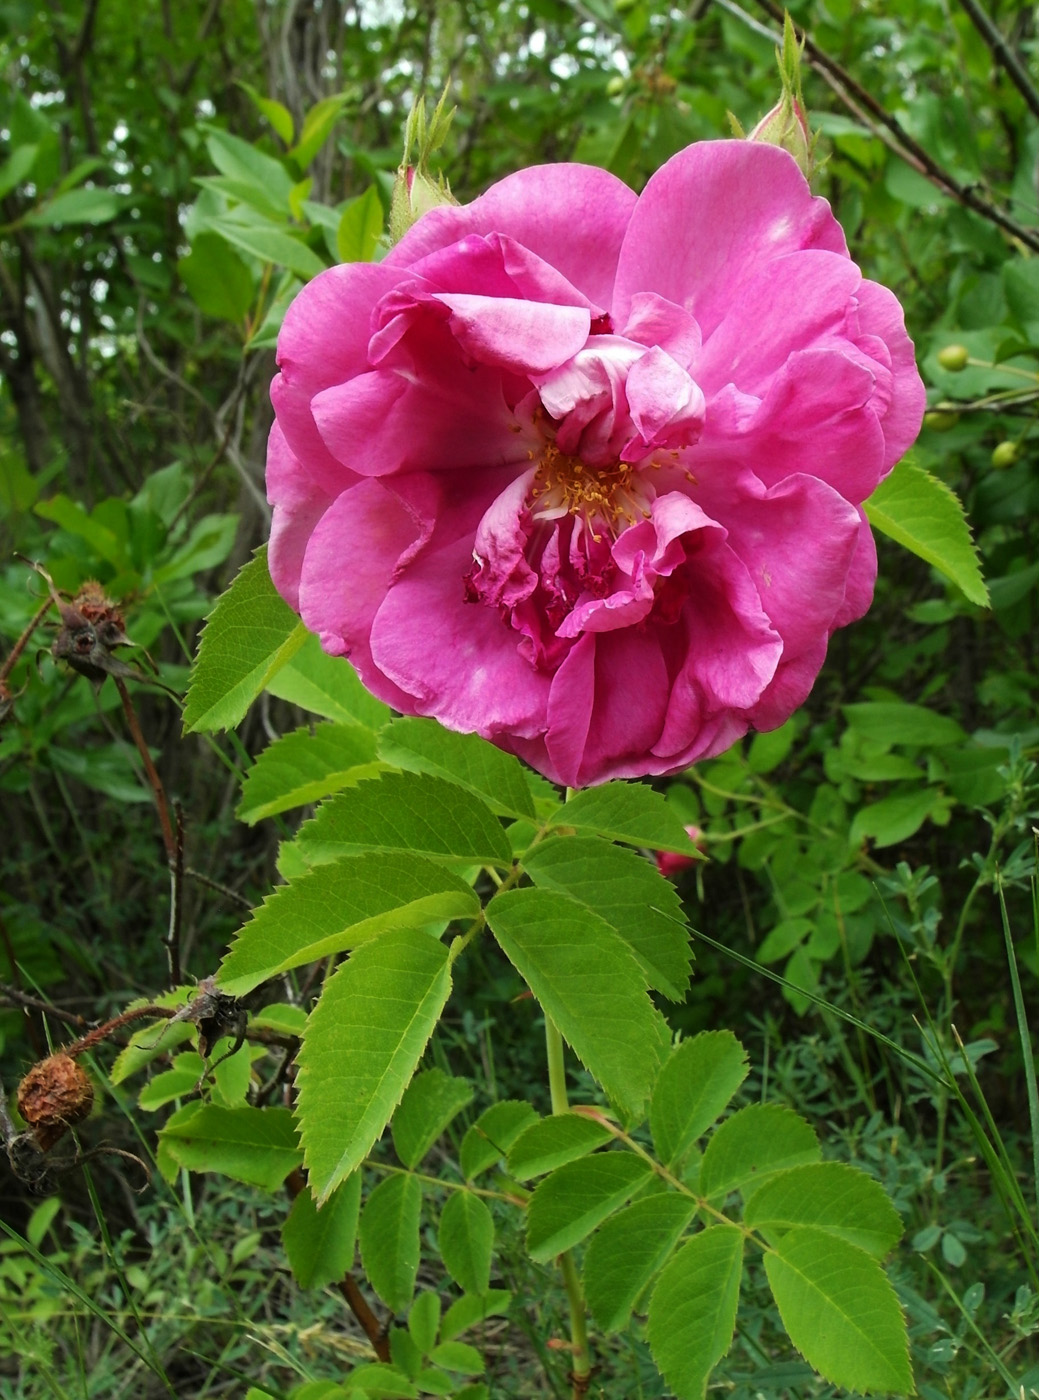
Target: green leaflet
423, 746
623, 1256
588, 981
577, 1197
628, 812
550, 1142
430, 1102
255, 1145
831, 1197
363, 1041
409, 812
389, 1235
473, 1309
327, 686
693, 1089
753, 1143
630, 894
920, 512
466, 1239
305, 766
891, 722
493, 1133
319, 1244
338, 906
840, 1311
250, 634
692, 1313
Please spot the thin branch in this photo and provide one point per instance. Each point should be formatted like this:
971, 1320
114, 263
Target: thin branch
155, 782
888, 128
172, 939
1003, 54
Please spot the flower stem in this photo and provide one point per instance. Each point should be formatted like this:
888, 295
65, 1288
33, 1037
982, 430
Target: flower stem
582, 1368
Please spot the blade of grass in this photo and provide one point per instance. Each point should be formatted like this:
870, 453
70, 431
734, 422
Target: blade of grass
1027, 1054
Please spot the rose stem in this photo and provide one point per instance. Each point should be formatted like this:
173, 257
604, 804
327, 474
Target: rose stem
582, 1370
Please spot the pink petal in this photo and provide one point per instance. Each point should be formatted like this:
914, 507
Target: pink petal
709, 218
572, 216
298, 507
880, 315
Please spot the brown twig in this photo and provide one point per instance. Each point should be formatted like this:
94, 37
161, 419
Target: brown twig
1003, 54
16, 997
155, 782
348, 1286
172, 939
102, 1032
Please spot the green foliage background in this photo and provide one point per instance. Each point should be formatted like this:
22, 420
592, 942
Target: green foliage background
169, 174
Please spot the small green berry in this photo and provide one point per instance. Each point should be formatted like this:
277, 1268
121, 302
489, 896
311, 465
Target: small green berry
940, 421
954, 358
615, 86
1005, 455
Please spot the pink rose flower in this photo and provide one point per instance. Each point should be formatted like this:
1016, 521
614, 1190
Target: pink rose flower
670, 863
583, 472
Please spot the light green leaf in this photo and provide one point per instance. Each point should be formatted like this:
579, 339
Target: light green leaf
280, 1016
587, 980
360, 227
692, 1313
338, 906
279, 116
268, 241
550, 1142
629, 812
71, 516
840, 1311
423, 746
254, 1145
466, 1240
390, 1239
830, 1196
894, 819
381, 1382
327, 686
471, 1310
424, 1322
153, 1038
179, 1081
304, 766
239, 160
630, 894
217, 280
921, 513
363, 1041
493, 1133
576, 1198
317, 124
17, 166
431, 1101
631, 1247
893, 722
693, 1089
406, 812
319, 1244
89, 205
755, 1142
248, 637
457, 1356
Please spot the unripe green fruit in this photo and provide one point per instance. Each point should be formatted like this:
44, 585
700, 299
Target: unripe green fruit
940, 421
615, 86
1005, 455
623, 6
954, 358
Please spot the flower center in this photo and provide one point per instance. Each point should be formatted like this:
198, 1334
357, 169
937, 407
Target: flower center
600, 496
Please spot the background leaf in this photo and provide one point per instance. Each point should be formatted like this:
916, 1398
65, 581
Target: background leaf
319, 1244
466, 1240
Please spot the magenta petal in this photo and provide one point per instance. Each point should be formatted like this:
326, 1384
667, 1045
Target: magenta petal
666, 406
880, 315
709, 218
653, 320
298, 507
528, 337
572, 216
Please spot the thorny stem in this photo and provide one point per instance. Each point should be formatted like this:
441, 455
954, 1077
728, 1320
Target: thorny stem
22, 643
155, 782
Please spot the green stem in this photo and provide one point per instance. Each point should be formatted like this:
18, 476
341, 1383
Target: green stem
582, 1367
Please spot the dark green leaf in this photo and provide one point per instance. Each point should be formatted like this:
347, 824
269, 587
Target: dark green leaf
627, 812
389, 1235
255, 1145
466, 1240
319, 1244
423, 746
431, 1101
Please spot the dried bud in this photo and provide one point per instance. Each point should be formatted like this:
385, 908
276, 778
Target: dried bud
54, 1095
91, 627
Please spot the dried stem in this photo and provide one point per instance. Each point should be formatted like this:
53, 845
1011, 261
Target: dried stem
155, 782
16, 997
172, 939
